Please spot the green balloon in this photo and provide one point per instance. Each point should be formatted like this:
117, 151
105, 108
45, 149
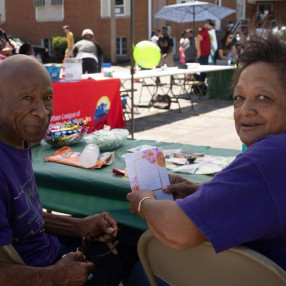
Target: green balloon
146, 54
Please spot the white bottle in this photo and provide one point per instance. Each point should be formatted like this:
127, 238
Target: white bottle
89, 156
17, 45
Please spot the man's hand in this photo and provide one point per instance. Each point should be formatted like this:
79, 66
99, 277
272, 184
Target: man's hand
102, 227
135, 197
72, 270
180, 187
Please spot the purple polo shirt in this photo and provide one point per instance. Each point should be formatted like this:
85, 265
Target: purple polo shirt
21, 214
246, 202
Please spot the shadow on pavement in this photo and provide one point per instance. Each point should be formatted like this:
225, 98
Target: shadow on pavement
153, 118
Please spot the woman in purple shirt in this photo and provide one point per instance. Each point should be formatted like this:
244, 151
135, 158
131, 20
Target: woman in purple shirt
244, 203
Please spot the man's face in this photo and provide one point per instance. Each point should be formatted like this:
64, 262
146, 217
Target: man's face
164, 32
26, 104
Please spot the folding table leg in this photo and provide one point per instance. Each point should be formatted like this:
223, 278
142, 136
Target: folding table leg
149, 87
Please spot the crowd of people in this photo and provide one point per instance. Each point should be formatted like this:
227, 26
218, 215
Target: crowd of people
197, 48
191, 48
87, 49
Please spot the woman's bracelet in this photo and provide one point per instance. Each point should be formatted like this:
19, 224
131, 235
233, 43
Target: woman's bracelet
140, 202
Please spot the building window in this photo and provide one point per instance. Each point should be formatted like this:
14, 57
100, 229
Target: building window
264, 10
47, 43
2, 12
56, 2
39, 3
121, 46
119, 7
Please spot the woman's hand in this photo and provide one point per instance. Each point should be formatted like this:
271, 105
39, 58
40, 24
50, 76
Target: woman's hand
180, 187
135, 197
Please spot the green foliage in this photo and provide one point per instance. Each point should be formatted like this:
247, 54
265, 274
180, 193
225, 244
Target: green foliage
77, 38
59, 45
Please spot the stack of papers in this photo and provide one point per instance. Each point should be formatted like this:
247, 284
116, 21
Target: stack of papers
206, 165
147, 171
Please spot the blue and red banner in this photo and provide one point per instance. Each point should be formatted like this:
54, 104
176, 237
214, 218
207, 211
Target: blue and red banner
99, 100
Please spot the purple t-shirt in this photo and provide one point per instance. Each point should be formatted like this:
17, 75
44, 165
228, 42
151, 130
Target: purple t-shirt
246, 202
21, 214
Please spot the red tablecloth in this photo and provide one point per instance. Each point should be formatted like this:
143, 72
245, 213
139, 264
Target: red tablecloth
99, 100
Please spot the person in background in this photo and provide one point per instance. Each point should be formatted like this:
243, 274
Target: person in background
226, 48
47, 243
100, 55
244, 204
27, 49
86, 50
181, 48
229, 26
155, 36
70, 41
3, 43
166, 44
7, 45
203, 46
189, 46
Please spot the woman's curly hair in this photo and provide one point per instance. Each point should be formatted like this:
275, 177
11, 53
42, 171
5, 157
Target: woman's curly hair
268, 48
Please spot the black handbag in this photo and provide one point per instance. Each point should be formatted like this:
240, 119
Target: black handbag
161, 101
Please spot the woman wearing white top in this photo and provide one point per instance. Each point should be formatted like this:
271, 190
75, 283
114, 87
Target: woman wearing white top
86, 50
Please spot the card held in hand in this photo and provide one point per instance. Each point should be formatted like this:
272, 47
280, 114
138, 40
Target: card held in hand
147, 171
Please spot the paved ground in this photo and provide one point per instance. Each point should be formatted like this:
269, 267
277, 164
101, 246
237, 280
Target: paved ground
210, 122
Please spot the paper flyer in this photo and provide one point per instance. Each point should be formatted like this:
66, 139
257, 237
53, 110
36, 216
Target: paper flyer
147, 171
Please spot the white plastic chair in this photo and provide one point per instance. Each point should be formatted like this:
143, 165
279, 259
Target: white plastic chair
8, 254
201, 266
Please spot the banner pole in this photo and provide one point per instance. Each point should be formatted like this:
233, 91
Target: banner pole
132, 65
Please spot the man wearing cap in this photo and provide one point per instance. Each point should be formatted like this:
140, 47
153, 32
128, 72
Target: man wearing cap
203, 46
189, 46
86, 50
70, 41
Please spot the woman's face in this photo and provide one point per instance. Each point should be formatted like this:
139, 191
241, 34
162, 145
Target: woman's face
229, 39
259, 103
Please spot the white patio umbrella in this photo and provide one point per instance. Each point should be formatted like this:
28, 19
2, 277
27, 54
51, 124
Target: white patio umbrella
193, 11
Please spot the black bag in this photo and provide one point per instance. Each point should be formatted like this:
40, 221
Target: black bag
182, 66
161, 101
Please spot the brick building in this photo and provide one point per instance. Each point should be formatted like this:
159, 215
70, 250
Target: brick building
39, 20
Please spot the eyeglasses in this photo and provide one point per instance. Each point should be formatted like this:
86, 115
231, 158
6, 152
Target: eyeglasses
88, 240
